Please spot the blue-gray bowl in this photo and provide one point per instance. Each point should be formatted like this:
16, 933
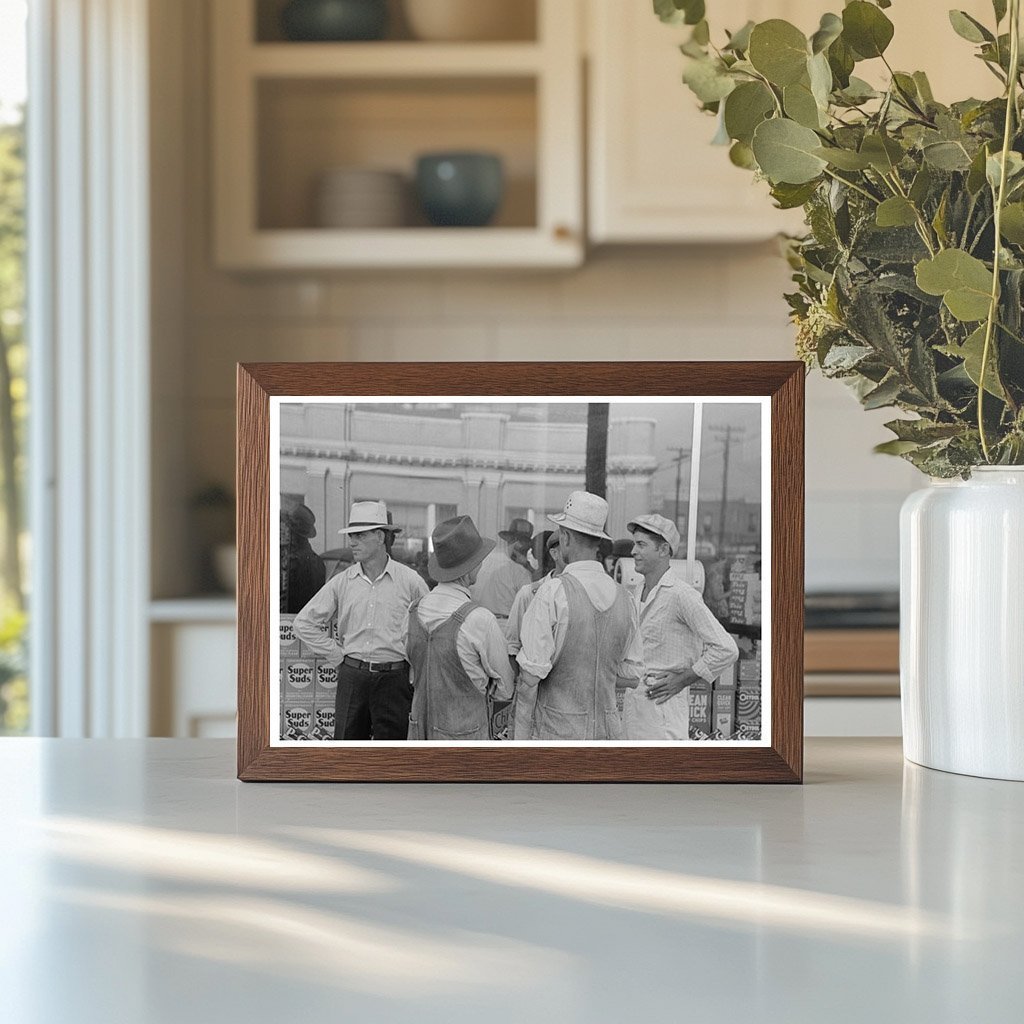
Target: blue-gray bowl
461, 190
332, 21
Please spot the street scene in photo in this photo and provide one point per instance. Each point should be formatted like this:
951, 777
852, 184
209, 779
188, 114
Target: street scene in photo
511, 570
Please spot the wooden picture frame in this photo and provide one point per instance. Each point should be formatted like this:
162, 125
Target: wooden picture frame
780, 759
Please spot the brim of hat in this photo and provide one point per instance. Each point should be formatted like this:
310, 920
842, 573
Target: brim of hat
454, 572
509, 535
657, 533
561, 519
368, 528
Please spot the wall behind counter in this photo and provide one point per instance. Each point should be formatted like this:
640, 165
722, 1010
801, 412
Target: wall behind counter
709, 302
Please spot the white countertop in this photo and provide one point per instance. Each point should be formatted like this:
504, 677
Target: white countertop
143, 884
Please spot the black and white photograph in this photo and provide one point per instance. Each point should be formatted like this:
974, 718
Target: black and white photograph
497, 571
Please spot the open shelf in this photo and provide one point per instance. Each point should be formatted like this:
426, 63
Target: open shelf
288, 113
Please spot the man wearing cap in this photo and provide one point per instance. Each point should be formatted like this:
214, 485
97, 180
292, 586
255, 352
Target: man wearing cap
306, 569
683, 642
369, 602
456, 648
501, 575
579, 639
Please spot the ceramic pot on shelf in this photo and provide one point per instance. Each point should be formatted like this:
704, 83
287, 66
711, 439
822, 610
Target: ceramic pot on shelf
460, 189
334, 20
467, 21
962, 624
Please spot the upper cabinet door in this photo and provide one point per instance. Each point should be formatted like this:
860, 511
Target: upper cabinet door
654, 175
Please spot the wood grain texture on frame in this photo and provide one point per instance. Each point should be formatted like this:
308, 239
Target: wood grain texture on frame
783, 382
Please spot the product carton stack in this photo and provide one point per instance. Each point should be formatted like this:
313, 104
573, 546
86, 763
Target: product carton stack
701, 714
748, 681
308, 689
744, 592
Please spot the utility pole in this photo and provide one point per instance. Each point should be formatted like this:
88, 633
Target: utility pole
681, 456
730, 434
597, 448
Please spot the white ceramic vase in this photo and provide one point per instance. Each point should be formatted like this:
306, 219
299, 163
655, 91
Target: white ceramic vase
962, 624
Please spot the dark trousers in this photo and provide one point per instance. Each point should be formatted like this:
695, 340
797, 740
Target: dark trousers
372, 705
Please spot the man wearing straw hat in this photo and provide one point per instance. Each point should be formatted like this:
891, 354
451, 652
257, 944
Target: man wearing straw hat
456, 648
579, 639
683, 642
501, 576
369, 602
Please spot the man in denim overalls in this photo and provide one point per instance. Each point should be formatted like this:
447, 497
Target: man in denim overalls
580, 639
456, 647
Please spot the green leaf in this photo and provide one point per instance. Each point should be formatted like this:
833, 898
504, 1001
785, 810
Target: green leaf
679, 12
745, 108
841, 60
895, 447
707, 80
921, 186
800, 105
924, 88
830, 29
923, 431
866, 29
742, 155
946, 156
844, 159
999, 6
971, 352
701, 33
789, 197
778, 50
896, 212
883, 153
820, 76
785, 152
963, 281
1012, 224
739, 41
885, 394
976, 175
968, 28
994, 168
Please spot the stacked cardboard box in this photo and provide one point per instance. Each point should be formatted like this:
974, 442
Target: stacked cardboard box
309, 686
699, 696
744, 591
748, 708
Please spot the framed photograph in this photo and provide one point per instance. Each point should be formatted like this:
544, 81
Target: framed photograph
517, 572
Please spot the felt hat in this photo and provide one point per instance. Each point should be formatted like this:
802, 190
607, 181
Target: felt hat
659, 526
585, 513
519, 529
302, 521
458, 547
369, 515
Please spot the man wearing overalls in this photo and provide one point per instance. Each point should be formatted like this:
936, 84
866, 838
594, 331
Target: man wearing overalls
456, 649
579, 638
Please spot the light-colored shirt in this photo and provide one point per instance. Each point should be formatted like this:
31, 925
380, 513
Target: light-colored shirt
372, 615
514, 625
546, 621
679, 632
498, 582
479, 642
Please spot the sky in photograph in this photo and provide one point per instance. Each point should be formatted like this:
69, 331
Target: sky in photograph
674, 429
12, 56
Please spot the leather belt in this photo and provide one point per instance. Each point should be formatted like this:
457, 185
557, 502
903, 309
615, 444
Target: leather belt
369, 666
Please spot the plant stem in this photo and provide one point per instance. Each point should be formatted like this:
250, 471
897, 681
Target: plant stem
993, 309
855, 187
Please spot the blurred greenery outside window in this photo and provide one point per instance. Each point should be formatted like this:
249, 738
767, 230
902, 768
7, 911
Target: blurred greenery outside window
14, 703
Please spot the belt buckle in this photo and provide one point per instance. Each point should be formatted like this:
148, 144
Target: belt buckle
378, 668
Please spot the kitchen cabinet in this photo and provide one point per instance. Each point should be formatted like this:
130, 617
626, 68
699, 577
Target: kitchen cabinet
653, 174
286, 113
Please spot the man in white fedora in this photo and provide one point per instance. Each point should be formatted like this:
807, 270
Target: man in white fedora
683, 642
579, 638
369, 602
456, 648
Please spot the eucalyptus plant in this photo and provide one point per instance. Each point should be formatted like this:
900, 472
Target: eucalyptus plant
909, 280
